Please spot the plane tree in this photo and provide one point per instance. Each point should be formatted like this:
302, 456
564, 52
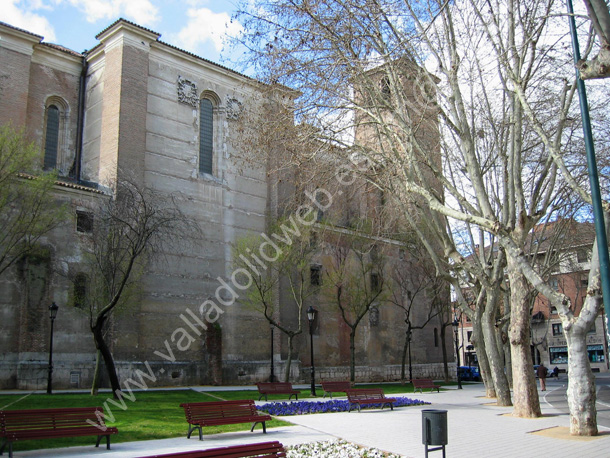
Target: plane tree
490, 140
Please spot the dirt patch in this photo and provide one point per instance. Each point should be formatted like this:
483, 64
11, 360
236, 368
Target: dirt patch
563, 432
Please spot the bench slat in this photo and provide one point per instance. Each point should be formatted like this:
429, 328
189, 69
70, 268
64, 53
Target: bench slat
215, 413
18, 425
265, 449
329, 387
368, 396
265, 388
420, 384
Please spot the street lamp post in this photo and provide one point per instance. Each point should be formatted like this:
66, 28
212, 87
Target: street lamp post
455, 325
272, 376
409, 336
311, 316
52, 314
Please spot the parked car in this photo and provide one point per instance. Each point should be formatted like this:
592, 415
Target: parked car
470, 373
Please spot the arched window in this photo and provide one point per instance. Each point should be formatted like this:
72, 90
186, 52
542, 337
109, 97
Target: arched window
51, 143
206, 137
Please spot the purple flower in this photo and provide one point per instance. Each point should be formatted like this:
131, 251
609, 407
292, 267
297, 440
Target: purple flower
307, 407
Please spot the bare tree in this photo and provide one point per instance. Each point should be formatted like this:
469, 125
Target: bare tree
599, 66
414, 288
291, 262
354, 280
131, 228
501, 95
28, 209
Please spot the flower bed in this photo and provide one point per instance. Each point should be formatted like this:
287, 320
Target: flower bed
335, 405
335, 449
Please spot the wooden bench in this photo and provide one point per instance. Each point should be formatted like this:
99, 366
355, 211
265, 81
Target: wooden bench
357, 397
337, 387
265, 388
18, 425
264, 449
199, 414
420, 384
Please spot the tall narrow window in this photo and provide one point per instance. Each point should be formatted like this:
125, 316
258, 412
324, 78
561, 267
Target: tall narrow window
51, 143
206, 136
314, 273
375, 283
80, 290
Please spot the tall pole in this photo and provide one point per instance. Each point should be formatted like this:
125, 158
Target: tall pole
313, 370
409, 335
598, 212
272, 376
457, 352
52, 314
311, 316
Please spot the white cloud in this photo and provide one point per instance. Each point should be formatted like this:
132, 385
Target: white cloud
203, 26
15, 15
142, 12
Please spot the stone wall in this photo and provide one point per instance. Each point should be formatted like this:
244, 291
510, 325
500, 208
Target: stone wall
137, 118
390, 373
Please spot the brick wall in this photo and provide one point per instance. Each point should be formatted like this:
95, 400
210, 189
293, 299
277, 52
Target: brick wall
14, 84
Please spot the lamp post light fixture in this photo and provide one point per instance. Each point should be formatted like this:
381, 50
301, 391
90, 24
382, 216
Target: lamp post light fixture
456, 325
53, 308
311, 316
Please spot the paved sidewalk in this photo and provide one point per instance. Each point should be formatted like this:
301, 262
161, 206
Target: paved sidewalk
476, 427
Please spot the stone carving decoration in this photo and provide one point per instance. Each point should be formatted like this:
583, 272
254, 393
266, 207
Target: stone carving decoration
187, 92
234, 108
374, 316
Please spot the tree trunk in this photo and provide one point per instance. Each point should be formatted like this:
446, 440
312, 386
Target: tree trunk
494, 356
100, 344
504, 342
526, 400
484, 367
352, 355
479, 343
508, 363
445, 356
95, 384
581, 385
403, 361
289, 358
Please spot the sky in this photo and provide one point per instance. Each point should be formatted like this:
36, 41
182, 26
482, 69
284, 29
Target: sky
197, 26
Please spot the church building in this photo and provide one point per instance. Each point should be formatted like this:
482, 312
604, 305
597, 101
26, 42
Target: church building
169, 119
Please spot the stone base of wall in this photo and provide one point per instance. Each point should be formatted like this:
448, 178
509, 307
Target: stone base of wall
78, 373
250, 372
391, 373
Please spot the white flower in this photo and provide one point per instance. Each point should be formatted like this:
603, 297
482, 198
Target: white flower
334, 449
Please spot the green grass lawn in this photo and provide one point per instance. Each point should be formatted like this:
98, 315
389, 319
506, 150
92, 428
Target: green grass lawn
153, 415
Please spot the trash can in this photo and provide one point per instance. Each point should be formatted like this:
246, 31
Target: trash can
434, 429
